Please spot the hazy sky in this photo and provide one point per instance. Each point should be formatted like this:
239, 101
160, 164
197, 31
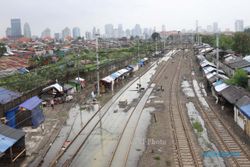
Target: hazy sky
175, 14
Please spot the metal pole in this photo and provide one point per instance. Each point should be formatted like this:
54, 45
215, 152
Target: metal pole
156, 46
97, 67
77, 88
164, 41
139, 61
217, 55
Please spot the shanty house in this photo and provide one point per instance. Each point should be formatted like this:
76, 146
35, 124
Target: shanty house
242, 113
12, 144
30, 113
8, 107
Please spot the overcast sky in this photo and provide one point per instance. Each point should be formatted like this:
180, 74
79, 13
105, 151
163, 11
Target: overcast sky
175, 14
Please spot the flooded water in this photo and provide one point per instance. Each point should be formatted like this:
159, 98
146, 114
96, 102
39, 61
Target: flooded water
202, 136
77, 118
200, 95
139, 142
203, 89
186, 88
100, 144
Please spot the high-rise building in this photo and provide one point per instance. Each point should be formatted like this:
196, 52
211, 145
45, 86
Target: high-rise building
239, 26
120, 31
16, 31
94, 32
66, 33
209, 28
109, 30
46, 33
137, 30
57, 36
98, 31
8, 32
150, 32
76, 32
128, 33
116, 33
88, 35
163, 28
145, 33
215, 27
26, 30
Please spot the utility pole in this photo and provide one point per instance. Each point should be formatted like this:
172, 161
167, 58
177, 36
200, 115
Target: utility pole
97, 67
139, 62
78, 75
197, 33
78, 80
156, 45
164, 41
217, 55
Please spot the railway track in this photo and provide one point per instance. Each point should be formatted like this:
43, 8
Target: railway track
69, 160
96, 114
225, 138
185, 153
115, 160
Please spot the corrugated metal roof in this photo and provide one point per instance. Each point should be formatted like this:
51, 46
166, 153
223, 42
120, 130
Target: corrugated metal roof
239, 64
243, 101
246, 110
220, 87
108, 79
7, 95
232, 94
31, 103
9, 136
56, 86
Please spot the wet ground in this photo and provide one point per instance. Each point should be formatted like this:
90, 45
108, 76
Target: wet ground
99, 146
160, 129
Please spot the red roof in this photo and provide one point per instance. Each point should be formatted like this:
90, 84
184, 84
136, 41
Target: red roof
8, 62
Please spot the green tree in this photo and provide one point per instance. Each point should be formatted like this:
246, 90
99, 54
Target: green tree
2, 49
247, 30
209, 39
226, 42
155, 36
242, 43
239, 78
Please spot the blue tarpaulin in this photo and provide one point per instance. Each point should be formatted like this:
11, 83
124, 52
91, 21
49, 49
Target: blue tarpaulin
11, 117
7, 95
23, 70
37, 116
8, 137
5, 143
33, 104
141, 63
129, 68
115, 75
246, 110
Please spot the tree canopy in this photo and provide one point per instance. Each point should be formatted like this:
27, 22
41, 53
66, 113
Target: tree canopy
226, 41
240, 78
242, 43
155, 36
2, 49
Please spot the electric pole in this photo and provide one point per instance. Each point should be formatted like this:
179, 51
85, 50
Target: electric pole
217, 55
97, 67
139, 61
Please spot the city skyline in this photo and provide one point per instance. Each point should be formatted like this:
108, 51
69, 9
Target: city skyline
117, 31
86, 14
